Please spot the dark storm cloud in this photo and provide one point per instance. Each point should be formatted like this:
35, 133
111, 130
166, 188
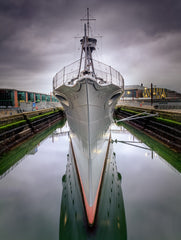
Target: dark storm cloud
37, 38
129, 18
157, 16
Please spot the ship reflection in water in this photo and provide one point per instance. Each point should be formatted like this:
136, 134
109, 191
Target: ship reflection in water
110, 222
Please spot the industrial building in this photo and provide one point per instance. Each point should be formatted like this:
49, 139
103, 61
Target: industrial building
11, 98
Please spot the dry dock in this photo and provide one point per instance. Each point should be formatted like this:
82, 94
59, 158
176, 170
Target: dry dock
165, 127
15, 129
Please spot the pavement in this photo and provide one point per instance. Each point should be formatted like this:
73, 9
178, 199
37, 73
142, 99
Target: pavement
149, 107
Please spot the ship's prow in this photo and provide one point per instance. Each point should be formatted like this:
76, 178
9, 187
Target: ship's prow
89, 94
89, 108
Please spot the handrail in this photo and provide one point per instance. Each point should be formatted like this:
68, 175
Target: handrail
103, 72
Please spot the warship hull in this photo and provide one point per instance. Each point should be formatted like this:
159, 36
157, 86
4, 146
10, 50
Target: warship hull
89, 108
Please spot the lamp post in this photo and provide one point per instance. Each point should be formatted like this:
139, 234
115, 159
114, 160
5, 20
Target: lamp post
151, 94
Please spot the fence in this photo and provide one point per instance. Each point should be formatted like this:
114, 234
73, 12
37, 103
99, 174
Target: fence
103, 74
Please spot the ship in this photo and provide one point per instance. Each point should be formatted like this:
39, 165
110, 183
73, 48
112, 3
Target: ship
88, 91
110, 218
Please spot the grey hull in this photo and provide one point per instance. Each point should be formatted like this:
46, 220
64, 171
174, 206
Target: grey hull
89, 108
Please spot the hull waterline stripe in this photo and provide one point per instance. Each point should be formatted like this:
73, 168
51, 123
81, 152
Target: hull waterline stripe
91, 210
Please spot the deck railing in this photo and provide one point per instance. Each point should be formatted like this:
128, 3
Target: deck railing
104, 74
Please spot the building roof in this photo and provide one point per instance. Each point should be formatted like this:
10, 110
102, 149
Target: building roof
131, 87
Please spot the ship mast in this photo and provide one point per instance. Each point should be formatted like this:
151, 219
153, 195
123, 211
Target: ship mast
88, 22
88, 46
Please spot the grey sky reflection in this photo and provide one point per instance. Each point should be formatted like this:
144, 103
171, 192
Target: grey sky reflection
31, 193
151, 191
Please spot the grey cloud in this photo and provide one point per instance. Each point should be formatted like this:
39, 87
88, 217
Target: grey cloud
36, 39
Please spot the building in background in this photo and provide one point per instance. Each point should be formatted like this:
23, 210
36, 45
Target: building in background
133, 91
13, 101
159, 97
12, 98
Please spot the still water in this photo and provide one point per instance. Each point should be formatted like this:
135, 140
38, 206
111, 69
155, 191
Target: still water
33, 189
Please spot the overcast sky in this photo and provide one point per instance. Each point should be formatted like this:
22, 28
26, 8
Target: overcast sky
140, 38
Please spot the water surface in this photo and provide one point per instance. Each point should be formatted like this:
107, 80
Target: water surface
31, 191
151, 189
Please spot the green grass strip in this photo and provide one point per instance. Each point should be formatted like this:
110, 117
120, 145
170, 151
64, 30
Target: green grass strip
160, 119
12, 125
42, 115
130, 111
165, 120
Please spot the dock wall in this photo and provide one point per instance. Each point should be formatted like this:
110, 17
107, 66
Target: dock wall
15, 129
165, 127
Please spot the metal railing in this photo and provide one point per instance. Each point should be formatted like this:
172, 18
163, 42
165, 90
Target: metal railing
104, 74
